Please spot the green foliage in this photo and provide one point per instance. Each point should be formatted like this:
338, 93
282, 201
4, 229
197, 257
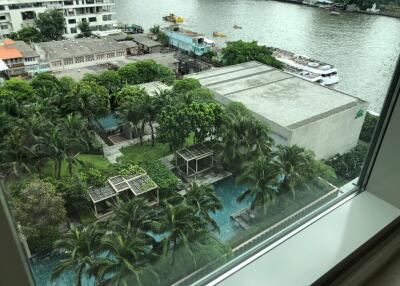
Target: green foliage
45, 84
51, 25
90, 99
161, 175
183, 86
93, 177
141, 153
368, 127
348, 165
28, 35
129, 73
39, 209
44, 243
127, 169
85, 30
238, 52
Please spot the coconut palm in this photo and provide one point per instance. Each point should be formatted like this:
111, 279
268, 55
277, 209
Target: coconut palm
182, 227
80, 245
75, 126
127, 259
296, 165
261, 176
204, 200
134, 216
14, 155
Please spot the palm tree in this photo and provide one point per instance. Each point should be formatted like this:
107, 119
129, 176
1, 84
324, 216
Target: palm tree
182, 227
296, 165
261, 175
75, 126
204, 200
127, 259
134, 216
80, 245
14, 155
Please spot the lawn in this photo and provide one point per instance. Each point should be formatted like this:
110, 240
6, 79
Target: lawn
139, 153
95, 161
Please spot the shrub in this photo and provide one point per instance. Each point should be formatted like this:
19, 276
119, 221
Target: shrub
368, 127
161, 175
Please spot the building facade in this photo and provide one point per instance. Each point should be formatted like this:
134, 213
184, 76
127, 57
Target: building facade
297, 111
80, 53
16, 14
188, 41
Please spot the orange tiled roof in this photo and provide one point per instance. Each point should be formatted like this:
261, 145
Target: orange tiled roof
8, 42
7, 53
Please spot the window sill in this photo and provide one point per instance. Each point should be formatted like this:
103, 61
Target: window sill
308, 255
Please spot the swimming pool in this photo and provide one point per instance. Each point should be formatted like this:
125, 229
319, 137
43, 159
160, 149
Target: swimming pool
227, 190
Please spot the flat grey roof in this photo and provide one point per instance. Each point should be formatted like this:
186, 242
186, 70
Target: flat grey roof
284, 99
79, 47
146, 41
26, 50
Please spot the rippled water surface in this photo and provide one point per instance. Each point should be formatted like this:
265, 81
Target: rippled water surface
364, 48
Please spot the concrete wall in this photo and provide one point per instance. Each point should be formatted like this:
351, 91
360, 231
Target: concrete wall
337, 133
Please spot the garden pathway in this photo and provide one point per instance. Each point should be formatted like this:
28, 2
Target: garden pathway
112, 153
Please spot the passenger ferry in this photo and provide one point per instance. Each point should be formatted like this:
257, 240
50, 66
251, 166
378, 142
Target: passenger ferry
304, 67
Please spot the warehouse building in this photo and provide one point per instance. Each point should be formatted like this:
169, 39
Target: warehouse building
298, 112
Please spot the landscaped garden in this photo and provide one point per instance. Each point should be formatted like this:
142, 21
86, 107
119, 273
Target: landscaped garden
50, 159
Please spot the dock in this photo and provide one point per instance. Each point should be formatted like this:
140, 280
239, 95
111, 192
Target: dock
243, 218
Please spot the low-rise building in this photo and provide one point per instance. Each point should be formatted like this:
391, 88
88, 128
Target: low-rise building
188, 41
80, 53
147, 45
298, 112
21, 59
17, 14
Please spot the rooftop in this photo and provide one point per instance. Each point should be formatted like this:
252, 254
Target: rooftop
179, 29
79, 47
195, 152
7, 52
146, 41
155, 86
274, 95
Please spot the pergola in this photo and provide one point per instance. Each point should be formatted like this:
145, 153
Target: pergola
131, 185
194, 160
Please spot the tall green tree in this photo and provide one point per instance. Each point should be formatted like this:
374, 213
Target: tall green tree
39, 209
204, 200
237, 52
297, 167
112, 81
80, 246
85, 30
28, 35
51, 25
261, 176
128, 258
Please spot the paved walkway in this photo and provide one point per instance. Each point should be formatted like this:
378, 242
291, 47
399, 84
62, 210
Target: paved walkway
112, 153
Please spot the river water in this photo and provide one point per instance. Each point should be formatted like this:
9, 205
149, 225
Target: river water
364, 48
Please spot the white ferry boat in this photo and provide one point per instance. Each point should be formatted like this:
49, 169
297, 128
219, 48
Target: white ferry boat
304, 67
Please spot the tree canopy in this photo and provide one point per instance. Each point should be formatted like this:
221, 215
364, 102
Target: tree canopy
238, 52
51, 25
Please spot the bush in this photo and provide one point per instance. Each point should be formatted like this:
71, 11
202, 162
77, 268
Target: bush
161, 175
44, 243
368, 127
348, 165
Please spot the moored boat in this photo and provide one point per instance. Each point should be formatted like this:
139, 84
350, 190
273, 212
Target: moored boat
173, 18
237, 27
304, 67
219, 34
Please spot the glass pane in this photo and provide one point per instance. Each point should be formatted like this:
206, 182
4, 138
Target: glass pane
161, 151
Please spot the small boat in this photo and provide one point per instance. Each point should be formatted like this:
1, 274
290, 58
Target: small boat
334, 13
219, 34
237, 27
173, 18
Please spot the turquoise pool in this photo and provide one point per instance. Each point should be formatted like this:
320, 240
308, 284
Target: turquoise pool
109, 122
227, 191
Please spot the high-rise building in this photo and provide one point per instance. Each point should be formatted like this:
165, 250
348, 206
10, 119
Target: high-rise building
16, 14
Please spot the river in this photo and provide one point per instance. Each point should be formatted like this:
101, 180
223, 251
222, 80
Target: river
364, 48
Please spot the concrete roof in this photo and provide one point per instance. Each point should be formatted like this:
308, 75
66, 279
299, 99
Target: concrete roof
26, 50
279, 97
79, 47
154, 86
146, 41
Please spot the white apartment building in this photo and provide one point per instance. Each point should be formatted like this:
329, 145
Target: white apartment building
16, 14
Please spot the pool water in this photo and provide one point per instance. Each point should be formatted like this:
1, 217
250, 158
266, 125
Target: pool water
227, 190
111, 121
